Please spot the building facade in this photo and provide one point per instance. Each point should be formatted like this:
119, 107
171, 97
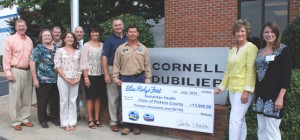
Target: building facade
208, 23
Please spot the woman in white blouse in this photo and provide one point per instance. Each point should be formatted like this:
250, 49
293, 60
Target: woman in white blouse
66, 62
93, 79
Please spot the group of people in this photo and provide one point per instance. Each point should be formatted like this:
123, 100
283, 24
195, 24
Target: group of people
262, 75
58, 65
63, 68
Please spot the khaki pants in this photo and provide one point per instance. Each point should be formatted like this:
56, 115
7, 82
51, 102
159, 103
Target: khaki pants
113, 94
20, 93
81, 97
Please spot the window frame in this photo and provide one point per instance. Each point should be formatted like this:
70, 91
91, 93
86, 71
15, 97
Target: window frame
263, 2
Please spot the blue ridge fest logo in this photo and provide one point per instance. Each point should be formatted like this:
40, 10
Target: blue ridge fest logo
133, 115
148, 117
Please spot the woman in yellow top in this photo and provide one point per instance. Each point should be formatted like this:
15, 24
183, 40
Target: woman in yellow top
239, 79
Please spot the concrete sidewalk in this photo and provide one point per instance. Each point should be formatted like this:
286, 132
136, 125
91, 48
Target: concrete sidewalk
82, 132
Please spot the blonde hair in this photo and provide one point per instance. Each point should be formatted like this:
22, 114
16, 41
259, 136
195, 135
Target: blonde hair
239, 24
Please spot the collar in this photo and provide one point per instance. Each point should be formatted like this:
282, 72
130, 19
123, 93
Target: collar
21, 36
59, 43
124, 35
139, 44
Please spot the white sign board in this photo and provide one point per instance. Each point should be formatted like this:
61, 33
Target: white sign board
5, 14
178, 107
194, 67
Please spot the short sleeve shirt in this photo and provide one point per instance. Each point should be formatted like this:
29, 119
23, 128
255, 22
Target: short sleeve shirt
44, 62
110, 46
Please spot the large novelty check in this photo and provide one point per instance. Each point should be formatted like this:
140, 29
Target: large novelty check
186, 108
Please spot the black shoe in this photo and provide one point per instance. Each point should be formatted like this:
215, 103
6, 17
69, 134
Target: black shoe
56, 123
44, 125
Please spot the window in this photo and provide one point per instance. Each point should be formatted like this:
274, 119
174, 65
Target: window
257, 12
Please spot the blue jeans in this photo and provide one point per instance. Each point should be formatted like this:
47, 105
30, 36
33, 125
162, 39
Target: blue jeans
137, 79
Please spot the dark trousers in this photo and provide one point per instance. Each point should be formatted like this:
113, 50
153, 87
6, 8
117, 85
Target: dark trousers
136, 79
44, 94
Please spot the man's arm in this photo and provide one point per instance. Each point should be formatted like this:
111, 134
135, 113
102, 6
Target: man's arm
105, 69
104, 60
117, 68
7, 58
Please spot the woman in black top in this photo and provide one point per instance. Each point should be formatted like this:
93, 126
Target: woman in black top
273, 79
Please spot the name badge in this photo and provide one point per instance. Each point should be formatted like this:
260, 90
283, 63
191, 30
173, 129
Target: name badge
270, 58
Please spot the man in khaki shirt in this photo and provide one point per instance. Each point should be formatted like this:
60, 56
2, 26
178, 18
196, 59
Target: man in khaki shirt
131, 64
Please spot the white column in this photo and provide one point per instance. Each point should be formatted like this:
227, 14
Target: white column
74, 14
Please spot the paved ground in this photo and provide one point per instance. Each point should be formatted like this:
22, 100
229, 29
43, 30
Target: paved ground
3, 85
57, 133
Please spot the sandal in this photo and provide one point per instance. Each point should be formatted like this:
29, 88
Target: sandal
67, 128
98, 123
91, 125
72, 127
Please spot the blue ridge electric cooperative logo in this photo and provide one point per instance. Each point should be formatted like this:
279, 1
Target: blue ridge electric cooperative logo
148, 117
133, 115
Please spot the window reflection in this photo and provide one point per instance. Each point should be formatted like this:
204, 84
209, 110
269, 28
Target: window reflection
257, 12
276, 10
251, 10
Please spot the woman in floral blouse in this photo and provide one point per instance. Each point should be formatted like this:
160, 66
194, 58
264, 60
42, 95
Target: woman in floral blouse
67, 65
93, 79
45, 77
273, 65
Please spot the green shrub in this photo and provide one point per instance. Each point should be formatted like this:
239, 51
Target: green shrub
291, 120
145, 37
291, 37
290, 123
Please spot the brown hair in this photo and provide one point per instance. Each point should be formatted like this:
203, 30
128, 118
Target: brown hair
41, 33
19, 21
75, 43
56, 27
95, 28
275, 28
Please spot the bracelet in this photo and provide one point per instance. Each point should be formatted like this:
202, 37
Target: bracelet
86, 78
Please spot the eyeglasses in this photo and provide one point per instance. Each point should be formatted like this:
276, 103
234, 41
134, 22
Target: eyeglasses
46, 35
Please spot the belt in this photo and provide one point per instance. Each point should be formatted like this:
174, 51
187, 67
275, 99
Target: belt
16, 67
135, 75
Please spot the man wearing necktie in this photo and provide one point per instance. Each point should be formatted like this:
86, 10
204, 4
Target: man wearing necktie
79, 33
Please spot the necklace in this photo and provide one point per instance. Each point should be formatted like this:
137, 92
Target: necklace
266, 51
69, 50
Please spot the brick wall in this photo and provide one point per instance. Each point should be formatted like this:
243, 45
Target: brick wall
220, 125
294, 9
199, 23
220, 128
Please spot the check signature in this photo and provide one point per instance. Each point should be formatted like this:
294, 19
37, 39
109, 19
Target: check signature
184, 123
